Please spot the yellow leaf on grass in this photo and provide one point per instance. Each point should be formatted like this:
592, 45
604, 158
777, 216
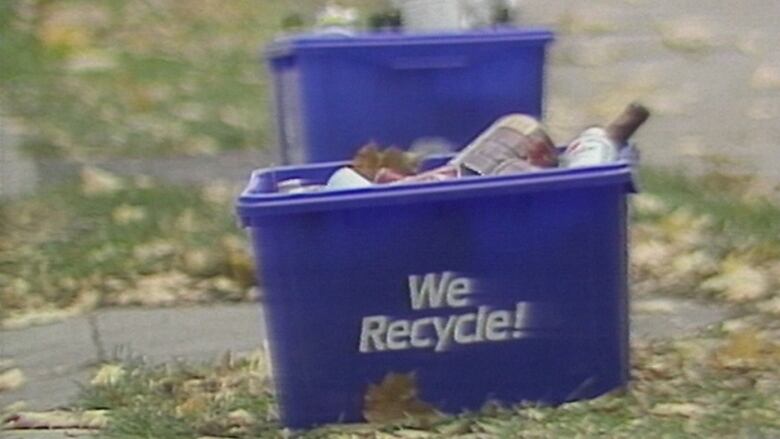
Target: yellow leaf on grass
771, 306
193, 406
241, 418
108, 375
395, 398
747, 349
95, 181
649, 204
64, 37
126, 214
686, 410
240, 266
739, 281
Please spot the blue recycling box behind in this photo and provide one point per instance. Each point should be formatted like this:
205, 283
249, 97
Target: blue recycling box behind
335, 93
509, 288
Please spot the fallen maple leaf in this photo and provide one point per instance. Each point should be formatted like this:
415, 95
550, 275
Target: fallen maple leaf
395, 398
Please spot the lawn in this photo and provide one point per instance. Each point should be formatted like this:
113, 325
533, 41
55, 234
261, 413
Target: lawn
110, 241
88, 78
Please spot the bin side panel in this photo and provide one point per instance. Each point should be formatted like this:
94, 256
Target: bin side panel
398, 94
556, 257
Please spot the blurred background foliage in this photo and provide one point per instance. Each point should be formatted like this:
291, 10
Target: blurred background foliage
87, 78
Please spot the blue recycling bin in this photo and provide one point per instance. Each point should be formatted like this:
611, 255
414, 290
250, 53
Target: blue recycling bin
334, 93
506, 289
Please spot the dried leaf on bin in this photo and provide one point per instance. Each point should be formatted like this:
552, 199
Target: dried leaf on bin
395, 398
399, 161
367, 161
371, 158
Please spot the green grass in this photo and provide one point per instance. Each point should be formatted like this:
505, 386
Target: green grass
728, 200
184, 401
60, 245
111, 78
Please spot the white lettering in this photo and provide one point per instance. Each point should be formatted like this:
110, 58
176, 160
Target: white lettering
522, 315
444, 332
481, 315
498, 322
418, 340
398, 335
430, 290
458, 292
438, 290
371, 334
460, 333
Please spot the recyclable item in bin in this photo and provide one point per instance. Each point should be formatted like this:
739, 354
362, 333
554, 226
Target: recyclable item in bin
597, 145
371, 158
513, 137
296, 186
346, 178
388, 19
386, 175
447, 172
426, 146
337, 17
514, 166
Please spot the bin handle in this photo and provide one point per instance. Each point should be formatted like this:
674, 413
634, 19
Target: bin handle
429, 63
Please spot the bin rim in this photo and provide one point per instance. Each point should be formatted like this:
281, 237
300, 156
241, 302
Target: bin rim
285, 46
255, 203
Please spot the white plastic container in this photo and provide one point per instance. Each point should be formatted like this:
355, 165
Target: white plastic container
430, 15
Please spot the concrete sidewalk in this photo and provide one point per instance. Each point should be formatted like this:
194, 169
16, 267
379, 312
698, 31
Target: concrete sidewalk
57, 359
